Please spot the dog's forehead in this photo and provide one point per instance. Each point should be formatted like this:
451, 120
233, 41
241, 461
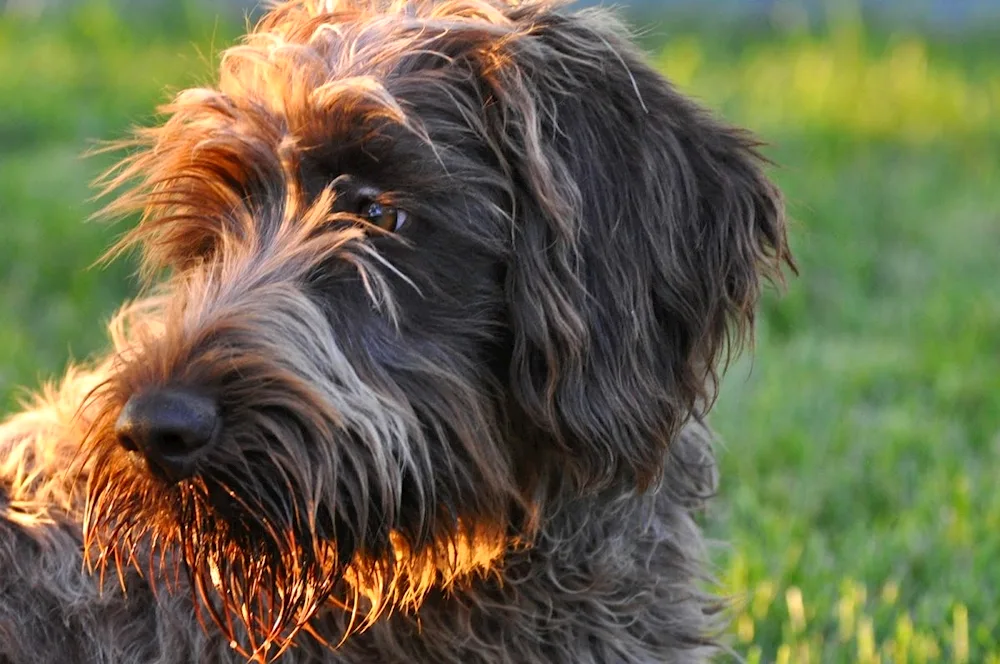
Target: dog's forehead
368, 28
310, 59
426, 8
342, 75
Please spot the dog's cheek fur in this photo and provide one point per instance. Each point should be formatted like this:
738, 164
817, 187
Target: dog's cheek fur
645, 228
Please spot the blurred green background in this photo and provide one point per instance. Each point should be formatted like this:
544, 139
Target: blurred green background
861, 452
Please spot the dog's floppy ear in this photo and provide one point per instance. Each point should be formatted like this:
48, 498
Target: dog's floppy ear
643, 231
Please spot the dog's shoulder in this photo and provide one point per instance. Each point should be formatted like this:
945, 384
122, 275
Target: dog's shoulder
39, 447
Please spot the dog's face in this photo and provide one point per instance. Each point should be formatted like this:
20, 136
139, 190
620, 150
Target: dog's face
432, 268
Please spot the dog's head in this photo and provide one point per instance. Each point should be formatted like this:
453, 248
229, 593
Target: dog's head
431, 267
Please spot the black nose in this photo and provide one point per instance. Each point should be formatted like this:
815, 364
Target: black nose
170, 428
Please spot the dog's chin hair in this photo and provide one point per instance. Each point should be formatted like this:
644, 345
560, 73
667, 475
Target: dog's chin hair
259, 592
264, 569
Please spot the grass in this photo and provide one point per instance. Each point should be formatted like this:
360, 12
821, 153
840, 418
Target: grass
862, 443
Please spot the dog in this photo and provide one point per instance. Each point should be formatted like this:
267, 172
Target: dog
436, 300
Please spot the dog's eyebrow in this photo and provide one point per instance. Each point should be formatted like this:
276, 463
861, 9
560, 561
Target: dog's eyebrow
367, 88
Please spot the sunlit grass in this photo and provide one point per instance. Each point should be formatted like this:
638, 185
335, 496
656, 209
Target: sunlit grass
861, 452
866, 628
862, 449
840, 82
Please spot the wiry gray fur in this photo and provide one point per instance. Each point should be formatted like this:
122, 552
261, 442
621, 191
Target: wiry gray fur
477, 439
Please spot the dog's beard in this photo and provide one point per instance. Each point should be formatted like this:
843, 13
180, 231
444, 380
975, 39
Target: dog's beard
296, 509
259, 557
277, 512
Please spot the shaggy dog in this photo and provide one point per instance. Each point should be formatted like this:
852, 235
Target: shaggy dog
438, 297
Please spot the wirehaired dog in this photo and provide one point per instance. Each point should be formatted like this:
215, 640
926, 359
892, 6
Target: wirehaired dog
438, 297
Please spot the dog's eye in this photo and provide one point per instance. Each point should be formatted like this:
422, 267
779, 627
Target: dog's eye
386, 217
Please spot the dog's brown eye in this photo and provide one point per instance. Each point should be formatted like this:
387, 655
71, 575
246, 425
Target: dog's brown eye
386, 217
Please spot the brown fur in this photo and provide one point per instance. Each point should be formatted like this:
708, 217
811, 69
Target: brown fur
478, 439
